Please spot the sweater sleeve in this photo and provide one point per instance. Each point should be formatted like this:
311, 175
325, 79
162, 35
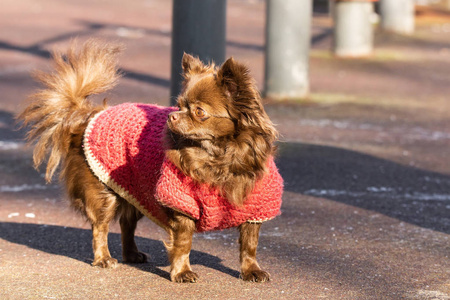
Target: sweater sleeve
177, 191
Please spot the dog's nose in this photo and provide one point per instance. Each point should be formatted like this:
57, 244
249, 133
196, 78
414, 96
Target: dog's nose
174, 116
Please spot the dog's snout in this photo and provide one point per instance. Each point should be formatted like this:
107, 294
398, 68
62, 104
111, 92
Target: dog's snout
174, 116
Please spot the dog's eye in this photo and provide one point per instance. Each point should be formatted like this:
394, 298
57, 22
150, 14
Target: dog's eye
200, 113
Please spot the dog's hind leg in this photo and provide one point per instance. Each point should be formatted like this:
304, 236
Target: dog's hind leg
91, 198
128, 221
102, 257
101, 214
97, 204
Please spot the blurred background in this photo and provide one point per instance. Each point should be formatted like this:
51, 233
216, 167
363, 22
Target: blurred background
395, 76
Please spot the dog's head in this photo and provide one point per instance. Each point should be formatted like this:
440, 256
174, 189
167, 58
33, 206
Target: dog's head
218, 103
203, 105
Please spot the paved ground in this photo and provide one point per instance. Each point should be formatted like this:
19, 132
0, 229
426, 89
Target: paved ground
366, 211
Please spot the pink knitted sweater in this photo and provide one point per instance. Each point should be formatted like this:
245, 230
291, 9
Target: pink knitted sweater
124, 148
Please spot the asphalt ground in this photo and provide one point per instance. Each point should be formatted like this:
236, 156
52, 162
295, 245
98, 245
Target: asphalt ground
366, 208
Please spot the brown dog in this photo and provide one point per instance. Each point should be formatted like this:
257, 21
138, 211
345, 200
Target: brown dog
220, 136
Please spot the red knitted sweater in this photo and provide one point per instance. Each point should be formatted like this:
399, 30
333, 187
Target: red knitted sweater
124, 148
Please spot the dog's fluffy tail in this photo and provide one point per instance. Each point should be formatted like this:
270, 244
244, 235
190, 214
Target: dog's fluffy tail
60, 110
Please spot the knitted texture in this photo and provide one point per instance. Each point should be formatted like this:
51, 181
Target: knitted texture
209, 208
124, 148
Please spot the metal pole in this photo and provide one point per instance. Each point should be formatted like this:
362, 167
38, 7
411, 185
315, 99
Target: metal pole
198, 28
353, 29
331, 7
397, 16
288, 40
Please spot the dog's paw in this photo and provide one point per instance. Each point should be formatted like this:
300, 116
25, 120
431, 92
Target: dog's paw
105, 262
135, 258
186, 276
255, 276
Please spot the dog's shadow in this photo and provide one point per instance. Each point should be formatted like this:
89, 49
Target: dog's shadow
76, 243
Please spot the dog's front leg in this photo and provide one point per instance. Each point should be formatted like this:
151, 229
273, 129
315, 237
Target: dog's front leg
181, 231
248, 240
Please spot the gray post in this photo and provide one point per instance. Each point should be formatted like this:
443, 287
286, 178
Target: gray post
198, 28
397, 16
288, 41
353, 29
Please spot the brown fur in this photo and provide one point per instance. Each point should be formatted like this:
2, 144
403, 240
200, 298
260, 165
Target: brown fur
221, 136
230, 148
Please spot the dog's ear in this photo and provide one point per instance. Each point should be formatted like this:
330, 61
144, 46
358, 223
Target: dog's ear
191, 65
232, 75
